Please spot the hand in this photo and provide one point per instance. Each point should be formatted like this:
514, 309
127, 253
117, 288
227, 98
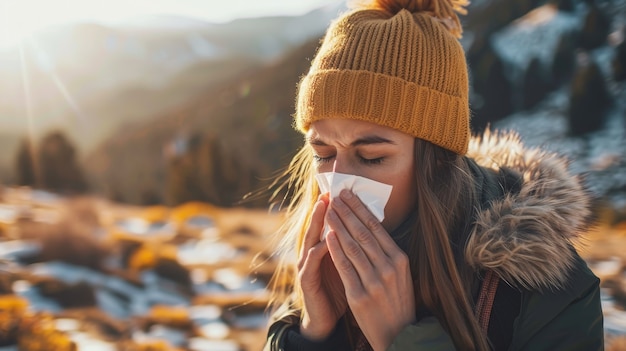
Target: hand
373, 269
322, 290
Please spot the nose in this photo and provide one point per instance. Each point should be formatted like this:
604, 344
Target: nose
343, 165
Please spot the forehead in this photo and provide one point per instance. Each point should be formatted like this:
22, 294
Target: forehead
346, 130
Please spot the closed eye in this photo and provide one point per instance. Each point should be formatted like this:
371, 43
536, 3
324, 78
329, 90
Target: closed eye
320, 159
371, 161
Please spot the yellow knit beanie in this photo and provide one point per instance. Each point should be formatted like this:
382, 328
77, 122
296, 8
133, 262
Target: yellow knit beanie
396, 63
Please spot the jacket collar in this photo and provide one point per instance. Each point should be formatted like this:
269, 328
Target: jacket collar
526, 235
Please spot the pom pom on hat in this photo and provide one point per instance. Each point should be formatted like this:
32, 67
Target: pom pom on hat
444, 10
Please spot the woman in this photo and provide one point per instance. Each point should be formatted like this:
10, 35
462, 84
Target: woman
476, 248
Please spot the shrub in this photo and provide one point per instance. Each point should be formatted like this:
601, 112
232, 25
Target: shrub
69, 241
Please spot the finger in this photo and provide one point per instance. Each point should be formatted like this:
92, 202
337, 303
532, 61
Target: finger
352, 249
352, 284
370, 221
312, 234
309, 271
359, 232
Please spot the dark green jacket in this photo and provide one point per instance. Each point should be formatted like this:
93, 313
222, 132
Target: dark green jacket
533, 212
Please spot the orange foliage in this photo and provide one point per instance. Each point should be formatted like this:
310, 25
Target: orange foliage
142, 258
37, 333
173, 316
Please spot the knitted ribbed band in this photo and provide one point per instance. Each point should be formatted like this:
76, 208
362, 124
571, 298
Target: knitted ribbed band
404, 71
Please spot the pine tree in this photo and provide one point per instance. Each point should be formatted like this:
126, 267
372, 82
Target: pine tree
535, 86
595, 29
59, 167
564, 59
492, 90
589, 100
25, 163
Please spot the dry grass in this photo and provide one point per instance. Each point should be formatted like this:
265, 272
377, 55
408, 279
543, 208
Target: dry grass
72, 239
616, 344
605, 241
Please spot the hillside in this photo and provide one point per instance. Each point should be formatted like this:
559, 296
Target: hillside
251, 116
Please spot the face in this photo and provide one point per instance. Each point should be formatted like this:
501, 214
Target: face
371, 151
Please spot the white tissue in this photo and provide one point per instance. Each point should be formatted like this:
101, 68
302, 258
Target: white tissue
373, 194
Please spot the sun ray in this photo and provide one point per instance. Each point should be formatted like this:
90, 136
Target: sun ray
29, 115
50, 70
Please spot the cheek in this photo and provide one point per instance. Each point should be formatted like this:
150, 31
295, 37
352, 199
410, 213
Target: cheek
401, 202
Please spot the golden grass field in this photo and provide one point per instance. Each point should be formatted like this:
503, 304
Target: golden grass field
88, 274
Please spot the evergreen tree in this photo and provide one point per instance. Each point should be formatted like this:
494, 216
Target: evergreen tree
492, 98
564, 59
595, 29
589, 100
25, 163
207, 172
536, 85
59, 168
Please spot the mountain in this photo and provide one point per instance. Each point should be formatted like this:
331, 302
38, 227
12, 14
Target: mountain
91, 79
249, 115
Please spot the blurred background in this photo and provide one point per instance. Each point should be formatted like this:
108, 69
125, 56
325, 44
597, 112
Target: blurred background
137, 137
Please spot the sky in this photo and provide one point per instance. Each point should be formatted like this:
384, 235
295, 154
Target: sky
19, 18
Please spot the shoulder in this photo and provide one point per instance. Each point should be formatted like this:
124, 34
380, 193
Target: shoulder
566, 318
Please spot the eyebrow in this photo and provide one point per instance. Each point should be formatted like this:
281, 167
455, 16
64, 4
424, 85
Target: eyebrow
366, 140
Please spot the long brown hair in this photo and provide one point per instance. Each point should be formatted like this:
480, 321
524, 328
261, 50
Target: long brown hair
445, 203
442, 280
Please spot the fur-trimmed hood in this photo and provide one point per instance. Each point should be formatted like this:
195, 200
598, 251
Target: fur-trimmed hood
527, 236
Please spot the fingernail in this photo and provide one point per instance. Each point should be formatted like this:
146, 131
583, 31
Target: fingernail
325, 197
346, 194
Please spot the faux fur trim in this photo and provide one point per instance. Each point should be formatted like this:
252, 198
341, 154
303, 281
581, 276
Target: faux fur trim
527, 238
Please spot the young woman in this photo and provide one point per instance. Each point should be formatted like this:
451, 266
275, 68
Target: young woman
476, 248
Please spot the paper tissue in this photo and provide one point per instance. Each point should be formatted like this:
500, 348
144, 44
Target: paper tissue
373, 194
